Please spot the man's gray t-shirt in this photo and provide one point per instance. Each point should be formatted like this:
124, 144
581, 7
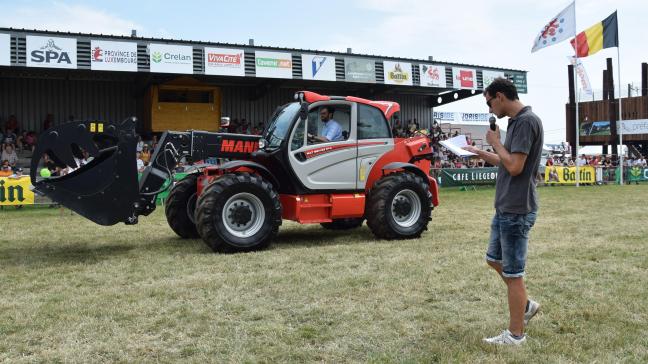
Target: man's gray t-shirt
518, 194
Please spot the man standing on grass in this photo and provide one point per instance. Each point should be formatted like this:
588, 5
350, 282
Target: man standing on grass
516, 200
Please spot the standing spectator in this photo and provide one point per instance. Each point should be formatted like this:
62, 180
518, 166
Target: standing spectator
48, 122
9, 154
582, 161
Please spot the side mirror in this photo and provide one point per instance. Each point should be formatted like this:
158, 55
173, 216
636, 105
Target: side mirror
303, 111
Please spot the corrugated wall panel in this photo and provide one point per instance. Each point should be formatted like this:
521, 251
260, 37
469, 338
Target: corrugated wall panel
31, 99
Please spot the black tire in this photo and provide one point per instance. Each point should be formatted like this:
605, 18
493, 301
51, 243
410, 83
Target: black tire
343, 224
180, 205
391, 209
238, 212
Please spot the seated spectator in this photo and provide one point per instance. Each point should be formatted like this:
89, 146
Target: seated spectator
570, 162
9, 154
146, 154
553, 175
140, 144
140, 163
28, 140
5, 169
641, 161
12, 123
18, 174
9, 137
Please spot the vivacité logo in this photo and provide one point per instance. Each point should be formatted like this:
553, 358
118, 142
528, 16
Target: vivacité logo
230, 59
273, 63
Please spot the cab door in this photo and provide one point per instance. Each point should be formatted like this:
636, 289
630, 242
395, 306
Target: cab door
374, 140
330, 165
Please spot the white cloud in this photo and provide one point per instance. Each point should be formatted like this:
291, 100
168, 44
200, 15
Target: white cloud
57, 16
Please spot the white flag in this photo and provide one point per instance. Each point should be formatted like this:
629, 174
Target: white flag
585, 85
561, 27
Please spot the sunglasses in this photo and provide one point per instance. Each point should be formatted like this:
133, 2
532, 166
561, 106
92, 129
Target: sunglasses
488, 102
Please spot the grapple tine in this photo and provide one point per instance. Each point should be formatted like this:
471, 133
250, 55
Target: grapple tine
105, 189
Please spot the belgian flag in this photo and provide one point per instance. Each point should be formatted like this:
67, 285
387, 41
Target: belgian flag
601, 35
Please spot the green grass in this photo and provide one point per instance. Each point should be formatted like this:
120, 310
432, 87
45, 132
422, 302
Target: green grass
72, 291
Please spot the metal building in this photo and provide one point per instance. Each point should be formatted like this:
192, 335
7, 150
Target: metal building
176, 84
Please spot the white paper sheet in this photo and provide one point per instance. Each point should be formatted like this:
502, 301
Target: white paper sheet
456, 144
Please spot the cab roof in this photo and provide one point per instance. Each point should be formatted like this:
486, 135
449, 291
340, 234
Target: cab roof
387, 107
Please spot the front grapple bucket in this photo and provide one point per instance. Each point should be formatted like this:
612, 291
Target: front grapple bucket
104, 189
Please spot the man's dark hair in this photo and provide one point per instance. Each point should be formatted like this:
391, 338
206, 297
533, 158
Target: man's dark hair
330, 109
503, 85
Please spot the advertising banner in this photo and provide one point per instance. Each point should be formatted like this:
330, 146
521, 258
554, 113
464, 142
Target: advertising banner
636, 174
315, 67
359, 70
15, 191
461, 117
633, 127
453, 177
519, 80
273, 64
224, 62
5, 50
432, 75
166, 58
51, 52
113, 56
489, 76
567, 175
397, 73
595, 128
464, 78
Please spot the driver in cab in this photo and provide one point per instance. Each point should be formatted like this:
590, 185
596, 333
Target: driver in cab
332, 131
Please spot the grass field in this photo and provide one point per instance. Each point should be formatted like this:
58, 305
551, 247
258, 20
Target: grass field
73, 291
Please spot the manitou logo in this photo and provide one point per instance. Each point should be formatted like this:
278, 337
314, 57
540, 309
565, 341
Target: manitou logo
50, 53
239, 146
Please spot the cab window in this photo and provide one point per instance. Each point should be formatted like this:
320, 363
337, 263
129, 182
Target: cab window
372, 123
341, 115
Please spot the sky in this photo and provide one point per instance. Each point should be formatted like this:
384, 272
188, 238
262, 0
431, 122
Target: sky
495, 33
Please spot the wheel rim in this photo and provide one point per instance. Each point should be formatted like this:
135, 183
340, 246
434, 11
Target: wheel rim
406, 208
191, 208
243, 215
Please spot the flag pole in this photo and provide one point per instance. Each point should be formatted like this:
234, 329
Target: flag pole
577, 96
620, 126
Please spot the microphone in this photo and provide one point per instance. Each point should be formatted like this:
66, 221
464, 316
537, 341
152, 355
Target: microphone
491, 120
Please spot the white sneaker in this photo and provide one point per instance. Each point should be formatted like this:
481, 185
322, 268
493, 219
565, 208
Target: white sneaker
505, 338
534, 307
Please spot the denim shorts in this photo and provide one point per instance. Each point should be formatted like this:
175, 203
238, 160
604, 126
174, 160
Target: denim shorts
509, 239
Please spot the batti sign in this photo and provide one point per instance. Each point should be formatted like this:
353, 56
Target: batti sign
397, 73
113, 56
51, 52
273, 64
5, 50
225, 62
316, 67
464, 78
432, 75
165, 58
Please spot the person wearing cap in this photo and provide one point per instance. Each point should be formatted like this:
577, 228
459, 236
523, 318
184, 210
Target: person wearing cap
18, 174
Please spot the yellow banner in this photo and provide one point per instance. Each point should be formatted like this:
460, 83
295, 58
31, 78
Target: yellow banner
15, 191
567, 175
